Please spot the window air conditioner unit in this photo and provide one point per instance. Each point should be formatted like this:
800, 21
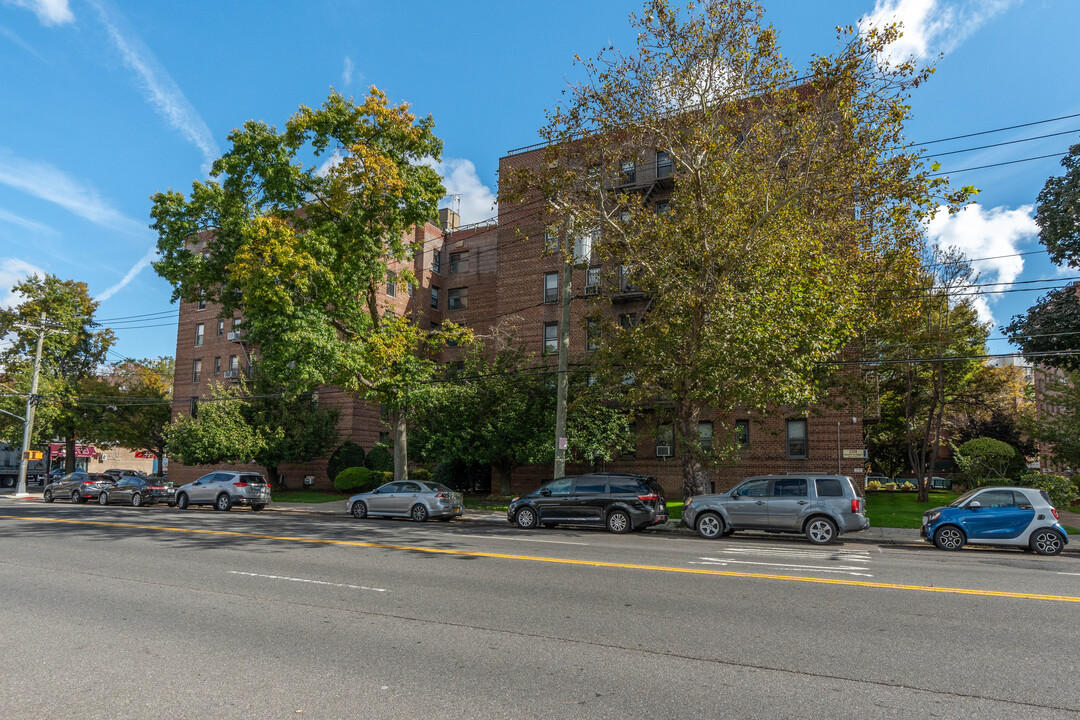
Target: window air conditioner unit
663, 451
232, 374
592, 290
235, 336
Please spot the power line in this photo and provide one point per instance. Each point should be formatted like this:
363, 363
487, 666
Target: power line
1001, 144
997, 130
991, 165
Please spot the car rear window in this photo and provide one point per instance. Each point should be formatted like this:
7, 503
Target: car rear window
829, 487
253, 479
439, 488
625, 486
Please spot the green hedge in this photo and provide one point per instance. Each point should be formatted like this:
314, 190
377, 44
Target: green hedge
354, 478
1059, 488
421, 474
348, 455
379, 459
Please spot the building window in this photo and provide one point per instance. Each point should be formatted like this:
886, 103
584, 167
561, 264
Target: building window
201, 304
630, 452
196, 370
627, 320
457, 298
629, 172
551, 338
412, 289
234, 362
384, 438
391, 284
704, 433
220, 327
435, 327
626, 283
199, 334
592, 281
217, 366
663, 165
583, 245
193, 407
665, 438
592, 334
742, 432
459, 262
436, 261
551, 242
237, 323
551, 287
796, 438
434, 298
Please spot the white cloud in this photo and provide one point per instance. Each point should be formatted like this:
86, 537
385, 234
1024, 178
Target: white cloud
49, 183
20, 42
931, 26
26, 224
161, 90
477, 201
12, 270
980, 233
347, 73
137, 268
49, 12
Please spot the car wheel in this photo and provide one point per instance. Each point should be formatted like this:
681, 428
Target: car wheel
419, 513
526, 518
1047, 542
359, 510
136, 500
258, 507
949, 537
710, 526
7, 482
182, 501
820, 531
47, 496
618, 522
223, 503
103, 498
76, 497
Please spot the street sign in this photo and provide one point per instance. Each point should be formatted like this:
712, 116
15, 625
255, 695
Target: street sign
854, 453
33, 455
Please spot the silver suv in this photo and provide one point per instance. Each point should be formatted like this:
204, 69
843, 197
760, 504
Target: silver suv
225, 489
822, 507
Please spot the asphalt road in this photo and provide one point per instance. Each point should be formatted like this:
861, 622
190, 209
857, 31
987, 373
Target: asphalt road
153, 612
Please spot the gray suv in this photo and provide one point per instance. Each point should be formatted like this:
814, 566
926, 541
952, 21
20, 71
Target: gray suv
821, 507
225, 489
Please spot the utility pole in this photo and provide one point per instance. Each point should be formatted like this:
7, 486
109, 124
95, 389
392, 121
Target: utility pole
564, 355
40, 328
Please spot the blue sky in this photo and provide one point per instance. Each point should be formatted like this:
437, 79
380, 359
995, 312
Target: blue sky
107, 102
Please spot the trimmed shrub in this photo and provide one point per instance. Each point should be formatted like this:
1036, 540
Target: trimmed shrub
873, 485
381, 477
1058, 487
379, 459
421, 474
348, 455
354, 478
908, 486
890, 486
985, 457
463, 477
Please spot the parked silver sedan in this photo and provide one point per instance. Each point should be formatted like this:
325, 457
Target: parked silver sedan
408, 498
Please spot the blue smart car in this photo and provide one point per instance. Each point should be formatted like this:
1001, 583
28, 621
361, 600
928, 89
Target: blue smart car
1014, 516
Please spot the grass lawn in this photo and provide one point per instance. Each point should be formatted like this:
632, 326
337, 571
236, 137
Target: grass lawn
901, 510
306, 496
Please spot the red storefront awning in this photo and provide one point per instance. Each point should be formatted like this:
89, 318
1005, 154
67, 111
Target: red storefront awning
81, 451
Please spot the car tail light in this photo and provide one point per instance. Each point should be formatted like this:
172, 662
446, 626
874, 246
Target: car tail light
1054, 510
88, 482
444, 496
155, 487
648, 498
240, 484
855, 505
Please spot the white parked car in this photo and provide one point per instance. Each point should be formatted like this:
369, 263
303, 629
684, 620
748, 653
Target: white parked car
408, 498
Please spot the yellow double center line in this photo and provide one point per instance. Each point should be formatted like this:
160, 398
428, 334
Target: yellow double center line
561, 561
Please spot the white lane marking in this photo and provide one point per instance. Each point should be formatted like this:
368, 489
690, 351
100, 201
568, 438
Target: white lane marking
521, 539
857, 556
1061, 573
305, 580
843, 570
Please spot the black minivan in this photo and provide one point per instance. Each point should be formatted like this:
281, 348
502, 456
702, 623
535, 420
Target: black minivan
620, 501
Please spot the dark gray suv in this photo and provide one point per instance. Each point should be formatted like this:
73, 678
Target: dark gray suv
821, 507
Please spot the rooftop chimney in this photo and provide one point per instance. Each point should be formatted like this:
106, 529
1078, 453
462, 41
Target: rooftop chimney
449, 220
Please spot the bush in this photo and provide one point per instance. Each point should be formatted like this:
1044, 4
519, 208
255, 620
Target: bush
381, 477
890, 486
1058, 487
348, 455
463, 477
908, 486
873, 485
989, 482
985, 457
379, 459
421, 474
354, 478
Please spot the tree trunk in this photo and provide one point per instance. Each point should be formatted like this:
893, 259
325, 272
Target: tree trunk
695, 478
159, 453
506, 472
401, 457
274, 478
69, 452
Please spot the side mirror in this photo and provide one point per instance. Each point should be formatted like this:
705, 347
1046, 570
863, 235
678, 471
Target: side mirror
735, 494
545, 492
974, 505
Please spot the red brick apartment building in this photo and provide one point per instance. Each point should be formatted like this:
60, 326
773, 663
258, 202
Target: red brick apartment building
488, 275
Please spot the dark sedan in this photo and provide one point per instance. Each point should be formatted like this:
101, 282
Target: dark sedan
78, 487
136, 491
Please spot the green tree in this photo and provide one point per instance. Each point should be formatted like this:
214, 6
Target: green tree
1061, 430
303, 249
70, 356
295, 428
792, 194
217, 433
989, 458
1058, 212
141, 405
